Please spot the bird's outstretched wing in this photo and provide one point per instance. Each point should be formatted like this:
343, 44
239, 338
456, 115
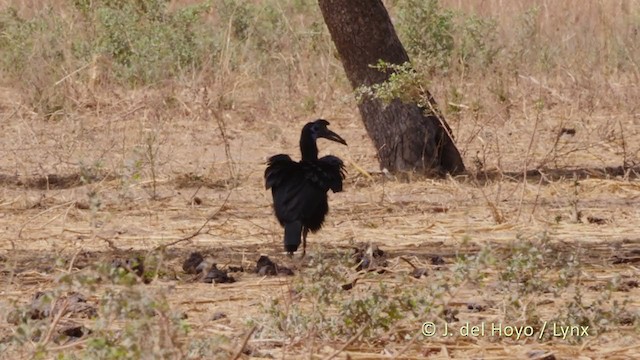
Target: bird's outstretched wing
332, 172
279, 168
286, 180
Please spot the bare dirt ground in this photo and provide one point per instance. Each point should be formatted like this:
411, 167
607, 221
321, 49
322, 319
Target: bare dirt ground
58, 218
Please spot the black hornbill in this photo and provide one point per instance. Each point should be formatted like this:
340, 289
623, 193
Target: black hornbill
300, 189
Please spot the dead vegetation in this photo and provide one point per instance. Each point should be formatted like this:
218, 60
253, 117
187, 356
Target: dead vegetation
112, 175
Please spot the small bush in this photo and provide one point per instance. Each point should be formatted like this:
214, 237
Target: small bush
145, 41
427, 31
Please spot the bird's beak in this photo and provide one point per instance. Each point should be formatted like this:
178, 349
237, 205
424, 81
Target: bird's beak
330, 135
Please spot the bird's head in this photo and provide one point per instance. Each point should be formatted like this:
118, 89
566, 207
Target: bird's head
318, 129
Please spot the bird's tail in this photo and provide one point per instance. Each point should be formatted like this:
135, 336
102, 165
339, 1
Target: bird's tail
292, 232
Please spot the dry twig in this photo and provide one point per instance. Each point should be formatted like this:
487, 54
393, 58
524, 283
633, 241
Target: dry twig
244, 343
345, 345
197, 232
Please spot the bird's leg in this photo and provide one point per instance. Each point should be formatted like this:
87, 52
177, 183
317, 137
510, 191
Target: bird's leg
305, 231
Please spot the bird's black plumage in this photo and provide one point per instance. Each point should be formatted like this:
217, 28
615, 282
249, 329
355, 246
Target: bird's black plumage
300, 189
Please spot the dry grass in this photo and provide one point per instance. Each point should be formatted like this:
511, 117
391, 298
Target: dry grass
115, 170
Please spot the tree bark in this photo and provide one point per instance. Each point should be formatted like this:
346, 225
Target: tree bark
406, 137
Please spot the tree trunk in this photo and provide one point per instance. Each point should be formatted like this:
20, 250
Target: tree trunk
406, 137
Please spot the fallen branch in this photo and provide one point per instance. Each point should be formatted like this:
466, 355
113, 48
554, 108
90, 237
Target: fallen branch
244, 343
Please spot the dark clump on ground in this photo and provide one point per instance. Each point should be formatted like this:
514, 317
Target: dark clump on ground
627, 258
205, 265
218, 315
450, 315
437, 260
217, 276
567, 131
596, 220
370, 257
626, 286
74, 332
349, 286
474, 307
627, 319
419, 272
208, 270
265, 266
191, 264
